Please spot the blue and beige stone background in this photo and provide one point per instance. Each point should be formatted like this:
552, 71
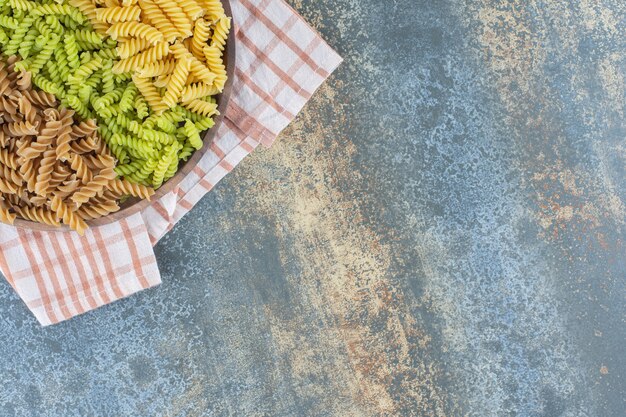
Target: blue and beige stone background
440, 233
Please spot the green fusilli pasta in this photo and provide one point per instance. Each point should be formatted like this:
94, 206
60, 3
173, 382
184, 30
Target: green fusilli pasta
192, 134
71, 49
28, 42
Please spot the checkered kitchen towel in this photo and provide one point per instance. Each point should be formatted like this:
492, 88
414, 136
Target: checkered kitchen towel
281, 61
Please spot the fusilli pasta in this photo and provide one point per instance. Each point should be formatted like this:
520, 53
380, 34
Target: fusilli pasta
139, 73
53, 167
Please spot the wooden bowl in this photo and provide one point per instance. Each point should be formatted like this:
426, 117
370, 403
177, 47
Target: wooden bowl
134, 205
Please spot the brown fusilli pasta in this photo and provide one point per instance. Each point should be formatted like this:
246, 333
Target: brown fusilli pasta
38, 214
125, 187
84, 145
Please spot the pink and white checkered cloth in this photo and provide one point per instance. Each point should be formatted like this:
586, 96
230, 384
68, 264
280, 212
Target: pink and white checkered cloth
281, 61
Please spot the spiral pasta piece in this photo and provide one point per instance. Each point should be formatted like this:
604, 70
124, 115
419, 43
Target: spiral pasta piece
18, 35
71, 50
142, 174
220, 33
77, 105
44, 140
5, 83
23, 5
141, 107
88, 39
21, 128
128, 98
97, 209
213, 57
79, 166
38, 214
24, 81
176, 83
95, 162
11, 175
151, 55
149, 93
193, 134
67, 216
201, 107
155, 69
64, 137
177, 16
63, 10
68, 187
60, 173
84, 71
201, 34
28, 149
196, 91
191, 8
44, 174
124, 187
5, 215
163, 164
84, 128
29, 173
9, 22
157, 17
133, 126
84, 145
29, 41
87, 8
47, 85
135, 145
124, 170
140, 30
97, 184
130, 47
84, 93
7, 186
118, 14
51, 23
26, 108
166, 125
213, 8
196, 66
40, 98
158, 137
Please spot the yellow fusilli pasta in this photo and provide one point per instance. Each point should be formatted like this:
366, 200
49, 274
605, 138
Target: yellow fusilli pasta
191, 8
118, 14
149, 56
201, 34
131, 47
158, 19
177, 16
140, 30
176, 83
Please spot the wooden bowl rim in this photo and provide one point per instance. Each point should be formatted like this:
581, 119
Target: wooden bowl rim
133, 206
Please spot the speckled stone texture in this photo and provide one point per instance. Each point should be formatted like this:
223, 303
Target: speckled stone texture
440, 233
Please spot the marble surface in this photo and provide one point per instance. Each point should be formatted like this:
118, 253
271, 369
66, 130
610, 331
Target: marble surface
439, 233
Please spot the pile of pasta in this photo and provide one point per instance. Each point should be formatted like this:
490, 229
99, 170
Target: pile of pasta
53, 168
168, 43
137, 79
145, 70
